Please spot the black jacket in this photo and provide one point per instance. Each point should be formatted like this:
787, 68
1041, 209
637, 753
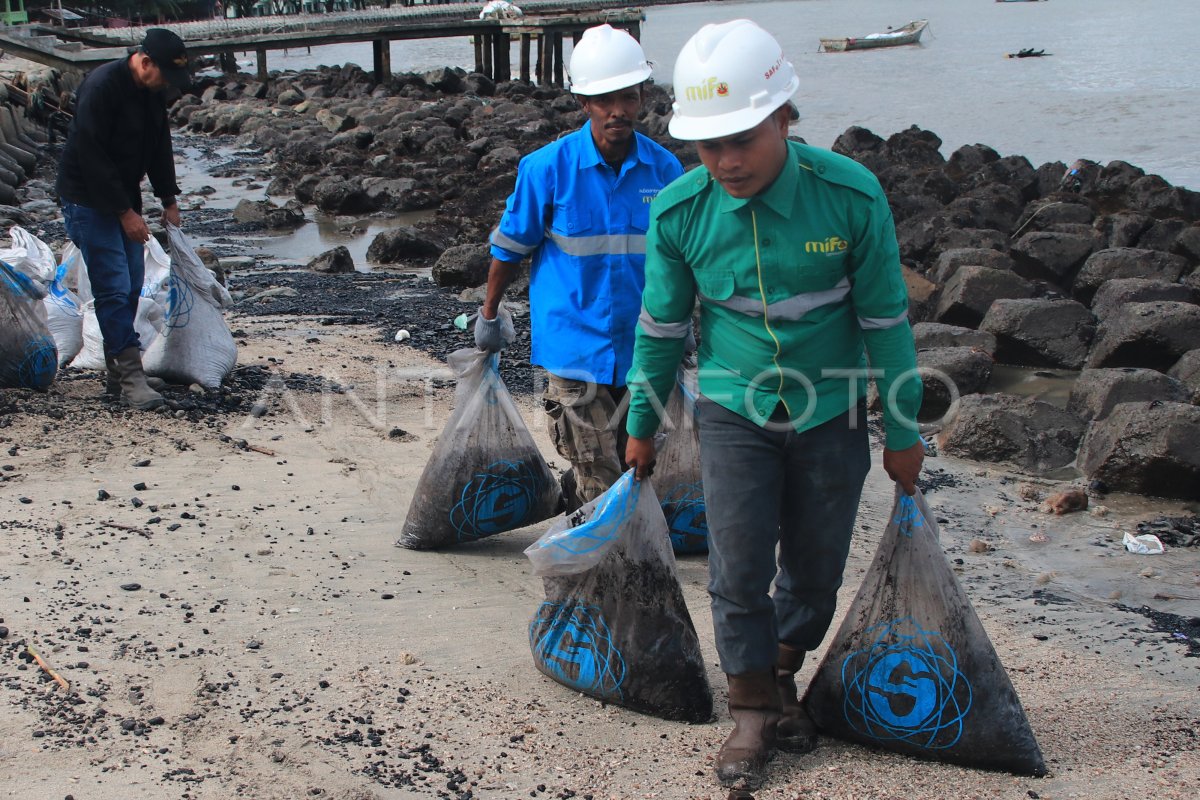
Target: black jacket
119, 134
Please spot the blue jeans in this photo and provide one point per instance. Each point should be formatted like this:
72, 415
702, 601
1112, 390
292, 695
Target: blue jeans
769, 486
116, 267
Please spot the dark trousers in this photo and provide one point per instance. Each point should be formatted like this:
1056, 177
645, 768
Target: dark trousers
769, 488
116, 267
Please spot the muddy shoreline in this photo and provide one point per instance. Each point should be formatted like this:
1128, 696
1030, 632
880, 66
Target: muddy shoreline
219, 586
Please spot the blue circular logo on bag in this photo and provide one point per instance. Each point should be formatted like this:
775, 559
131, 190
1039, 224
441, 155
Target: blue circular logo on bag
38, 364
906, 686
574, 644
683, 506
499, 499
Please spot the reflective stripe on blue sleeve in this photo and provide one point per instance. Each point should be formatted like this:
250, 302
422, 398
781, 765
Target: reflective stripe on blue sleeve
500, 240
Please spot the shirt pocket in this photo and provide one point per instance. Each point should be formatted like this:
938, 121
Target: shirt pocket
575, 219
715, 284
639, 217
814, 276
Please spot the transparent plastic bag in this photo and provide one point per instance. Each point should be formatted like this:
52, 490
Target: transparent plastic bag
28, 357
677, 469
620, 630
911, 668
485, 475
580, 540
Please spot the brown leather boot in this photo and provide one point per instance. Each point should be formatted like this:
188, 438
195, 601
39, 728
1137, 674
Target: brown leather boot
754, 706
796, 731
136, 392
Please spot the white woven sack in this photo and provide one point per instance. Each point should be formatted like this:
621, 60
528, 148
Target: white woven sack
29, 255
195, 345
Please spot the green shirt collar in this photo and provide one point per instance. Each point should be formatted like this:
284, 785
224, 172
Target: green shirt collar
780, 196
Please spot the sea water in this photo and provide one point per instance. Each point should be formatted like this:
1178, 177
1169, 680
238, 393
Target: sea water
1121, 80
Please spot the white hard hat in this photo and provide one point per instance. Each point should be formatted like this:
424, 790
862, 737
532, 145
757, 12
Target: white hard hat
605, 60
728, 78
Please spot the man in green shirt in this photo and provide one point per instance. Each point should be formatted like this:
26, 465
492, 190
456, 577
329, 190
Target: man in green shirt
792, 253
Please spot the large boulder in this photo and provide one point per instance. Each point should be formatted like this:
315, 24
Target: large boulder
1146, 448
921, 293
1051, 255
1040, 332
968, 159
333, 261
342, 196
267, 214
1125, 262
993, 206
1097, 392
1125, 228
1153, 335
971, 291
947, 373
949, 238
1115, 295
1012, 171
1187, 244
949, 261
463, 265
402, 244
1062, 209
928, 335
1187, 372
1026, 433
1154, 196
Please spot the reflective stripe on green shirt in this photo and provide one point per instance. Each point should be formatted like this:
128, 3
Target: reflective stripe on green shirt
797, 286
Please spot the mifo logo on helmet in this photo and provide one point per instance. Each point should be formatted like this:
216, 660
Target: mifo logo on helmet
712, 87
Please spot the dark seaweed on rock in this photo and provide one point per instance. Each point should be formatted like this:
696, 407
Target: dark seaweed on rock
621, 631
485, 475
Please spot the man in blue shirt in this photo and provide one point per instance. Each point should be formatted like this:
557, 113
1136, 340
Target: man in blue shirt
580, 209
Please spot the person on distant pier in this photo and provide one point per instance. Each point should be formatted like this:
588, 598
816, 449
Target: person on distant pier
119, 135
791, 252
580, 210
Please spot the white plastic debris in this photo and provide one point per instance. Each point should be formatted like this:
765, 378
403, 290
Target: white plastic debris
402, 334
1147, 544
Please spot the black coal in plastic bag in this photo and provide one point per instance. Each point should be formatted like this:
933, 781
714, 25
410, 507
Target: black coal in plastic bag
619, 631
485, 475
911, 668
28, 357
677, 470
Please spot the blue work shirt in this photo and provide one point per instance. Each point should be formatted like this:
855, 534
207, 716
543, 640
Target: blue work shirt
585, 225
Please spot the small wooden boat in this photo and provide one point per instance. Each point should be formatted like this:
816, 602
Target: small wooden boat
1028, 52
893, 37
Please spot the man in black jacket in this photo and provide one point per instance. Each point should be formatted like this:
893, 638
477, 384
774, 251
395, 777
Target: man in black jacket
119, 135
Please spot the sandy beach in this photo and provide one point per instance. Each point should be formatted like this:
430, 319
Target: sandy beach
234, 619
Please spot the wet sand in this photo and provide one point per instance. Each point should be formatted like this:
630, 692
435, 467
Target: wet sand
279, 645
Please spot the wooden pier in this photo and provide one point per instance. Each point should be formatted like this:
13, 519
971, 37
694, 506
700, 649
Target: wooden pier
540, 33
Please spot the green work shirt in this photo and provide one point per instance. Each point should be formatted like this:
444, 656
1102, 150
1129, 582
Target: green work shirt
797, 285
